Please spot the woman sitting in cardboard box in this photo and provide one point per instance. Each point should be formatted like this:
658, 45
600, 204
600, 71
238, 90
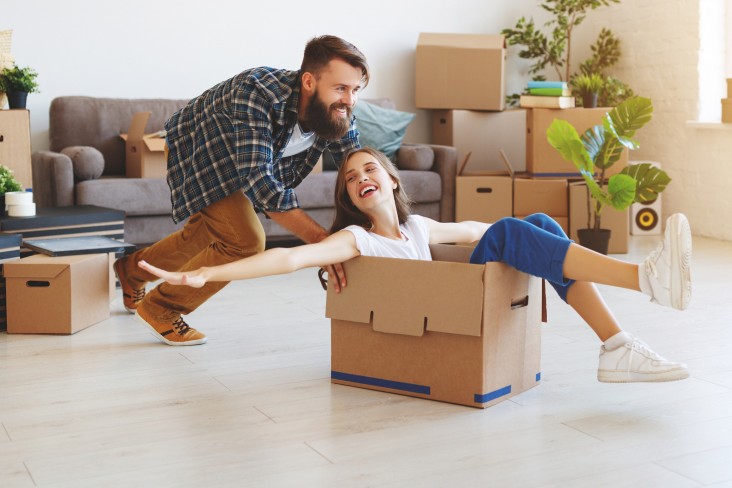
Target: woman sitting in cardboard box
373, 219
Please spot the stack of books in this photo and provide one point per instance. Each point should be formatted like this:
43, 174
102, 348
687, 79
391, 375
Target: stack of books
547, 94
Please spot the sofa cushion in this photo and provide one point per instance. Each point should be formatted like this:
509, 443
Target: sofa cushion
381, 128
135, 196
418, 157
98, 122
87, 162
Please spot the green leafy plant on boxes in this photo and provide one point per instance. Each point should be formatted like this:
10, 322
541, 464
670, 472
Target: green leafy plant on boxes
600, 147
554, 51
8, 182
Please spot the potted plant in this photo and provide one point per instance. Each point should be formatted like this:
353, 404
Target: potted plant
597, 150
551, 51
588, 87
8, 183
17, 83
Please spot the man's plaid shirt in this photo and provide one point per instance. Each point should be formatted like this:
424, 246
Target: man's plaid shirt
232, 137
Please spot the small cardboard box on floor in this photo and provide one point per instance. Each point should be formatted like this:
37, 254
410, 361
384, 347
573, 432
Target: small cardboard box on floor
616, 220
460, 71
483, 196
57, 295
542, 160
144, 153
444, 329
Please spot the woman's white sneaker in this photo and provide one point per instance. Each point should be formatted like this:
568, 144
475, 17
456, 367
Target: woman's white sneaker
636, 362
665, 275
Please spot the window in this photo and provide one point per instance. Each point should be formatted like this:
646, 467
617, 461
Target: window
715, 57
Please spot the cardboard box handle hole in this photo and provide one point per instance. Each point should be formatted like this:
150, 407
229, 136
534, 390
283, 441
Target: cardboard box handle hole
520, 302
37, 284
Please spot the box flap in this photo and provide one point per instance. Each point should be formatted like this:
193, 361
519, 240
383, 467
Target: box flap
137, 126
402, 296
41, 266
153, 142
464, 41
506, 163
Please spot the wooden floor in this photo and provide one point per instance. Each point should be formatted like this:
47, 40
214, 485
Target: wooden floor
110, 406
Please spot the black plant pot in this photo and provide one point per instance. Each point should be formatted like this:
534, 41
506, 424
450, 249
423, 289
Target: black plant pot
17, 99
597, 240
589, 100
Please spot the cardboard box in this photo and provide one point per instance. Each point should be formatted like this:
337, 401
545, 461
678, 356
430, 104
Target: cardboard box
443, 329
9, 251
15, 145
74, 291
144, 153
615, 220
483, 196
727, 110
542, 160
547, 196
483, 135
460, 71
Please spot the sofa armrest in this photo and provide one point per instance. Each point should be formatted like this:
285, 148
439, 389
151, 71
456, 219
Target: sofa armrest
446, 165
53, 179
441, 160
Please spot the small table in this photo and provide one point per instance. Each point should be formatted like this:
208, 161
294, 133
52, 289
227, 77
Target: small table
74, 221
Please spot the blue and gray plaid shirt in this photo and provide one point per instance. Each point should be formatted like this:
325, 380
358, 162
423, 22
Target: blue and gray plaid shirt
232, 137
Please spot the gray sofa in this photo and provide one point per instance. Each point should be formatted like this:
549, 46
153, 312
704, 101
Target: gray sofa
72, 174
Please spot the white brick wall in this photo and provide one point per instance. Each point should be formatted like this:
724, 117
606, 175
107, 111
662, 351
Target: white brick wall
660, 40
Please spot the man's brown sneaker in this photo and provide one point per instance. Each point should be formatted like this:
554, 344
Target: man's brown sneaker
131, 296
171, 328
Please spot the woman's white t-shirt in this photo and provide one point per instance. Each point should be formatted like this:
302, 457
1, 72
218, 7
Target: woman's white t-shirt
415, 244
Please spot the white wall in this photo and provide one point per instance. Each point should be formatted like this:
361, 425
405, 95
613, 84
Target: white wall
168, 48
177, 49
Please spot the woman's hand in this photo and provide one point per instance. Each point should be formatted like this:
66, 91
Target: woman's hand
189, 278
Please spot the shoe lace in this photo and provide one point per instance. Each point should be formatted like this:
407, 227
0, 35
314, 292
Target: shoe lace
180, 326
138, 294
650, 262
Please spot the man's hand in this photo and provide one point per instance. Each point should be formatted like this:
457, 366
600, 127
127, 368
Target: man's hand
337, 275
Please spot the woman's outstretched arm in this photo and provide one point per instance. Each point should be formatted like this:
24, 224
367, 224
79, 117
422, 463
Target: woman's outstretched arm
336, 248
457, 232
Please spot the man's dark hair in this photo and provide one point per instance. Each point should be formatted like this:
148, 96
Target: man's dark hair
319, 51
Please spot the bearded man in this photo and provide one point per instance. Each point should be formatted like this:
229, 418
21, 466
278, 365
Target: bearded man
239, 148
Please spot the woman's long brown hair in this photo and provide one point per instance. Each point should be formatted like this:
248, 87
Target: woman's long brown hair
347, 213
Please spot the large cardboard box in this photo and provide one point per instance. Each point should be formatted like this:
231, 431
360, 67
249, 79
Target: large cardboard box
542, 160
483, 196
144, 153
443, 330
460, 71
547, 196
615, 220
483, 135
15, 145
73, 291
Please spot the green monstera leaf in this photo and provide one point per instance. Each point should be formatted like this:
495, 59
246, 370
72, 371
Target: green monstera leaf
650, 179
563, 137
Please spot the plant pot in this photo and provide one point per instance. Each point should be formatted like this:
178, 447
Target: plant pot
589, 100
597, 240
17, 99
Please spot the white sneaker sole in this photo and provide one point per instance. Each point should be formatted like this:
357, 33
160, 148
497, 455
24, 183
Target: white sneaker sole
681, 253
680, 373
161, 338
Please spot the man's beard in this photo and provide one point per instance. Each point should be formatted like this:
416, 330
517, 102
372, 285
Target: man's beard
324, 122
